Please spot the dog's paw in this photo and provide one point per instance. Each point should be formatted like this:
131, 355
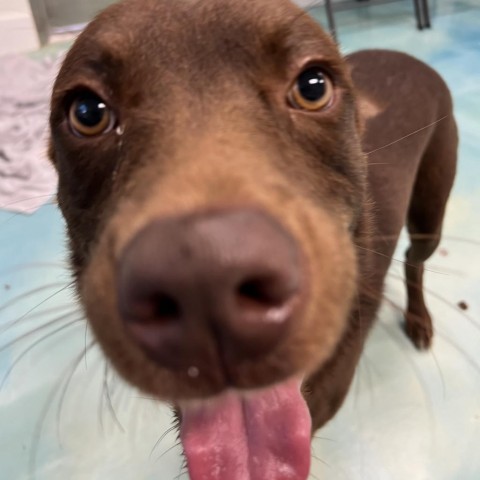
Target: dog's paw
419, 329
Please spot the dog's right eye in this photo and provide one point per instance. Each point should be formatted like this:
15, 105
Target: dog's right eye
89, 115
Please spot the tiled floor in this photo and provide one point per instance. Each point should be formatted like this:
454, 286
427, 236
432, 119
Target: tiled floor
408, 416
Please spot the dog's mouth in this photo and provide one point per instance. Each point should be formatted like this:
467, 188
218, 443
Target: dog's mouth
257, 436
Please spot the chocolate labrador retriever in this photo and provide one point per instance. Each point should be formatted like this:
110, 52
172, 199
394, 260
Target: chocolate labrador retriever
234, 190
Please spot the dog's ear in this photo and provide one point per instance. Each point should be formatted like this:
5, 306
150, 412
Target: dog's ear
51, 157
51, 153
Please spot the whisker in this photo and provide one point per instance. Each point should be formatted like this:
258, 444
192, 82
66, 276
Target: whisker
403, 262
313, 475
122, 398
320, 460
401, 310
37, 315
427, 399
17, 214
92, 374
470, 360
424, 236
28, 266
434, 357
440, 373
19, 319
22, 200
183, 469
32, 346
325, 439
86, 334
356, 388
176, 445
36, 330
442, 300
105, 398
108, 397
100, 409
374, 295
181, 474
357, 377
364, 361
164, 434
25, 295
409, 135
64, 394
460, 239
46, 408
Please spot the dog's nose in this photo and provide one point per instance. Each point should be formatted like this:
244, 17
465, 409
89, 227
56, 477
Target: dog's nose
233, 277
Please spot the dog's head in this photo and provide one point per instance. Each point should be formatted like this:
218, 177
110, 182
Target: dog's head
211, 177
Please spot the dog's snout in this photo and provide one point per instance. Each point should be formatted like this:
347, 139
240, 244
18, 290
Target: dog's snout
233, 277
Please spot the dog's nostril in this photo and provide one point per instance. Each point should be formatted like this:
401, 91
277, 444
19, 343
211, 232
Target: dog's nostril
166, 308
259, 291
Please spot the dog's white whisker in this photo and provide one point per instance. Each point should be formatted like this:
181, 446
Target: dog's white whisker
34, 345
66, 374
430, 125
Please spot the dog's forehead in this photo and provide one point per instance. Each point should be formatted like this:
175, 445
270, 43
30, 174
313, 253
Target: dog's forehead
169, 32
172, 17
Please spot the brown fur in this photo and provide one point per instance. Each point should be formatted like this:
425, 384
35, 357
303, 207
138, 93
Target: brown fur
199, 89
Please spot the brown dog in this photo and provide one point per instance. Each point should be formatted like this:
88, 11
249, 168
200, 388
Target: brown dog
234, 190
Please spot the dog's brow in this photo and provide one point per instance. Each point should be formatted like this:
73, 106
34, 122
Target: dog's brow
98, 62
301, 36
300, 16
101, 66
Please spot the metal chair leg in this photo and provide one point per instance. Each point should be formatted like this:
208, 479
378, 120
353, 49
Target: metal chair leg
426, 14
331, 19
418, 13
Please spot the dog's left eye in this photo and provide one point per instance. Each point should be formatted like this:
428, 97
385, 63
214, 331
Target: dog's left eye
90, 116
312, 91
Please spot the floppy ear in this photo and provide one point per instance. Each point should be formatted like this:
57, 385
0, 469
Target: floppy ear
51, 153
51, 157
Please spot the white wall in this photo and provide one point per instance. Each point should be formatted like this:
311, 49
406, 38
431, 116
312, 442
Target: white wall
17, 27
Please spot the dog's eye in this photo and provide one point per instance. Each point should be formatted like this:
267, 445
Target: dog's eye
312, 91
89, 115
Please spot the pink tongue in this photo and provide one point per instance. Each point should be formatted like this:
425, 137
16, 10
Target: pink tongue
263, 436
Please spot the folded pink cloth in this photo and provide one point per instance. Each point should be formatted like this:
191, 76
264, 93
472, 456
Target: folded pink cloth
27, 180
